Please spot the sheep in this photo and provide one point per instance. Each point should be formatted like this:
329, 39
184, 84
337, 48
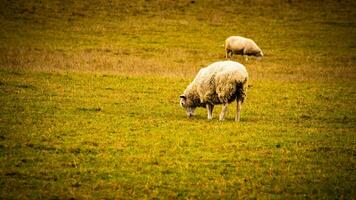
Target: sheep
219, 83
242, 46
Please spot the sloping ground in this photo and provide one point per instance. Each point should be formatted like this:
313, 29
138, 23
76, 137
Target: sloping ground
301, 39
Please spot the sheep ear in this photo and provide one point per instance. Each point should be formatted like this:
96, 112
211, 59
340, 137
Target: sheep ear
182, 96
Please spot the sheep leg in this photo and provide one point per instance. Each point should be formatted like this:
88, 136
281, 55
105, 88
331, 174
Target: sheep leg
223, 111
210, 108
238, 110
246, 57
228, 53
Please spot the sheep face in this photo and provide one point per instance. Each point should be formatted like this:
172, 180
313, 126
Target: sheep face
259, 54
187, 104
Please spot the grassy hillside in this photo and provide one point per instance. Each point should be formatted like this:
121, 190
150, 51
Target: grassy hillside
89, 100
176, 38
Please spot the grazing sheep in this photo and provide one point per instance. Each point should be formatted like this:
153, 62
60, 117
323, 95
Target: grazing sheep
219, 83
242, 46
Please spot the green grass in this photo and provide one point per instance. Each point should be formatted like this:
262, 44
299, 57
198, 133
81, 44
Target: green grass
89, 101
100, 136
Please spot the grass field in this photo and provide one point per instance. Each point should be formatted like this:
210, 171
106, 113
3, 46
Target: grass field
89, 98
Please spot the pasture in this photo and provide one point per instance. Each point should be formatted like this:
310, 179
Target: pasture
89, 98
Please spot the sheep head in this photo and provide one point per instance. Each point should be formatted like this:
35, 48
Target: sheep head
187, 104
259, 55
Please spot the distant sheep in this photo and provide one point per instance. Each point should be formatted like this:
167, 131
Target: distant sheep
219, 83
242, 46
